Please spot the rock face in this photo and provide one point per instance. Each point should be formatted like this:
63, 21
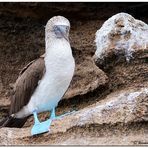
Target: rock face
43, 11
121, 35
87, 78
110, 98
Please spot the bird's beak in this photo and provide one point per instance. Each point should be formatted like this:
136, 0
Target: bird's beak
62, 31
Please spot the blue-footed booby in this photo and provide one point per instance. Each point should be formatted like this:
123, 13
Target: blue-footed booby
43, 82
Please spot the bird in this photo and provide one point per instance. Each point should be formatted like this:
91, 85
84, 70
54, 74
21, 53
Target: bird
42, 83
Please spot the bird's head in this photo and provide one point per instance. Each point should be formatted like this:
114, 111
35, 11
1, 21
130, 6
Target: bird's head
58, 27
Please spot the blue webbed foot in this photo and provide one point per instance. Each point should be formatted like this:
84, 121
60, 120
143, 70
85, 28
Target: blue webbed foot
40, 127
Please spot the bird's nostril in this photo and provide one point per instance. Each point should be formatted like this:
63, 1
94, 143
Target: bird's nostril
55, 28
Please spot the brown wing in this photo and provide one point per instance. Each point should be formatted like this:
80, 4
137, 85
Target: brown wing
26, 84
22, 71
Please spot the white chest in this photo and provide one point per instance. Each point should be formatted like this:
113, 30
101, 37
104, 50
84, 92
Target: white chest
59, 72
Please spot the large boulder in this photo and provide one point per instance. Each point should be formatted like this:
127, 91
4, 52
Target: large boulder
122, 37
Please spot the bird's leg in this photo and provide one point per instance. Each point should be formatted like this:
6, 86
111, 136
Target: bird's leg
53, 115
40, 127
36, 120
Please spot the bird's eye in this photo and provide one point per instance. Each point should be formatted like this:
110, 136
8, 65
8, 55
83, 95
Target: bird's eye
55, 28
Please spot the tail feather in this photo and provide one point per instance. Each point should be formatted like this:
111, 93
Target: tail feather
13, 122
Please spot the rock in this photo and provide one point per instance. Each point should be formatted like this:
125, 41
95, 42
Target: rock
1, 85
86, 79
125, 106
122, 37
